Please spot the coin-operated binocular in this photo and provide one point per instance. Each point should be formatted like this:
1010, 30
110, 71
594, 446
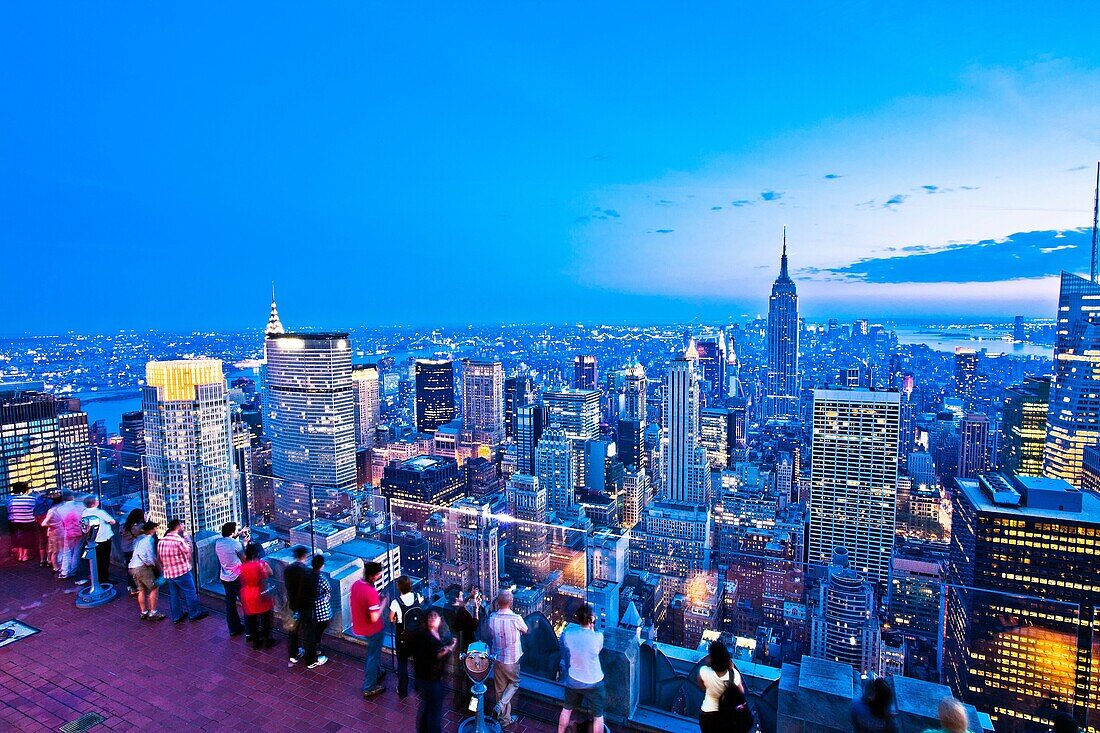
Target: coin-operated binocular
96, 593
478, 666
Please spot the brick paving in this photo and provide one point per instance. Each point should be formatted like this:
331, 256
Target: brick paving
159, 676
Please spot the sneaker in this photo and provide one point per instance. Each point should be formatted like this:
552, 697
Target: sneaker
200, 616
238, 632
508, 722
320, 660
372, 692
180, 620
292, 661
144, 615
156, 616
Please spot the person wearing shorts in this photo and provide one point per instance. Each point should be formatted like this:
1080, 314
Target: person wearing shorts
584, 682
143, 570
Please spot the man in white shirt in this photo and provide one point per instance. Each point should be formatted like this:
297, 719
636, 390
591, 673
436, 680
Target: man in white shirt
143, 569
230, 552
102, 538
505, 629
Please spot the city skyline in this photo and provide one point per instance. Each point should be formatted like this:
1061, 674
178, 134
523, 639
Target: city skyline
902, 157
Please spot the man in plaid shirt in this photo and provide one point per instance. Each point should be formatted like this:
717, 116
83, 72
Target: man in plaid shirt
174, 555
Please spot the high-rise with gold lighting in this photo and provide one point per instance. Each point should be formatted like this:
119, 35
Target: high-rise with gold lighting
188, 444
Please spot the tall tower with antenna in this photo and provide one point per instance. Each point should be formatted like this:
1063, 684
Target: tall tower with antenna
783, 384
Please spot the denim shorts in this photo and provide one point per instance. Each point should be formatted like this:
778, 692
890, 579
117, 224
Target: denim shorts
595, 697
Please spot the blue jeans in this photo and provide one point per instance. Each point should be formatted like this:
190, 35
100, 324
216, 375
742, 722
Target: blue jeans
373, 661
429, 716
180, 590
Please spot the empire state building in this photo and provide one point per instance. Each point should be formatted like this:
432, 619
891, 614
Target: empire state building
782, 388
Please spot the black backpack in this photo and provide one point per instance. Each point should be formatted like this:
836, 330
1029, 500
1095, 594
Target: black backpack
412, 620
733, 708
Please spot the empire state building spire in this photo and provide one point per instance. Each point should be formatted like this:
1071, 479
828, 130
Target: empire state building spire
782, 387
274, 325
783, 276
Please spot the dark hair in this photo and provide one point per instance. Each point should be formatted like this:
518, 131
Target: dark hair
1065, 723
174, 524
318, 561
433, 611
404, 585
20, 487
585, 615
228, 529
252, 551
720, 660
299, 551
371, 569
147, 526
879, 697
134, 518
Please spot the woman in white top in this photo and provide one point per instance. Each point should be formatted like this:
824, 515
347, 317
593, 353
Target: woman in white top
713, 680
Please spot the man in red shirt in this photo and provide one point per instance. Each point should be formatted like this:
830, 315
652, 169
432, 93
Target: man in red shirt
366, 621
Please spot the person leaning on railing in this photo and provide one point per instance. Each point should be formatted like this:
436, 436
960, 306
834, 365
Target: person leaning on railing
714, 680
584, 682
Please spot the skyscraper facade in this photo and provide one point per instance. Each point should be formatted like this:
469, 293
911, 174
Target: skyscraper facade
556, 468
529, 425
368, 405
687, 473
483, 398
74, 451
435, 394
527, 503
966, 377
783, 382
1024, 426
585, 375
632, 419
974, 446
188, 444
518, 391
309, 417
576, 411
132, 461
712, 368
28, 438
1073, 417
853, 479
845, 626
1022, 604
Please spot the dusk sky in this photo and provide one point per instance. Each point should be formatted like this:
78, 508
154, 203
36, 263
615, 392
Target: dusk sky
396, 163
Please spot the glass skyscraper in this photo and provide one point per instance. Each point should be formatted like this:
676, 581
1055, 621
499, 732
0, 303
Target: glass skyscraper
1073, 418
435, 394
483, 398
309, 417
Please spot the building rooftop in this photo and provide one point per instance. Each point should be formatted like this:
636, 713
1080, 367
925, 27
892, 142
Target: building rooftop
191, 677
1040, 505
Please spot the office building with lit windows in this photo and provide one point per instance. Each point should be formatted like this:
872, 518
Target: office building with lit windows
974, 446
189, 445
528, 505
585, 374
1073, 417
556, 468
435, 393
28, 438
853, 479
1023, 598
845, 627
432, 480
483, 398
576, 411
368, 406
1024, 425
783, 383
309, 417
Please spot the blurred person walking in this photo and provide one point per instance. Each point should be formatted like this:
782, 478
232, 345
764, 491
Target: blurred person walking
102, 537
24, 529
430, 652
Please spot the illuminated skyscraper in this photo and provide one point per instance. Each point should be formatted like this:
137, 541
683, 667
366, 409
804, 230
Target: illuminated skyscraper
74, 451
188, 444
783, 383
518, 391
309, 417
556, 468
1024, 426
1073, 417
974, 439
483, 398
585, 375
632, 419
1023, 598
853, 478
712, 368
714, 424
687, 472
132, 462
28, 438
966, 377
527, 503
577, 411
529, 424
435, 394
368, 407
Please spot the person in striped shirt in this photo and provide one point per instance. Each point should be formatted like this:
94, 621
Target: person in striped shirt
24, 529
505, 627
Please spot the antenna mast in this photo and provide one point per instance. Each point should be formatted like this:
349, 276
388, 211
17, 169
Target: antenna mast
1095, 220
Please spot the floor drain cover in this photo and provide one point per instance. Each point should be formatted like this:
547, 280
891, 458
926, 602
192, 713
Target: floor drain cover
83, 723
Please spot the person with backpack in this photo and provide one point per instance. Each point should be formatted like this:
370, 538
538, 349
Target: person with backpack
406, 615
724, 694
873, 711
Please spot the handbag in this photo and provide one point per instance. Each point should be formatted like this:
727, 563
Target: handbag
291, 619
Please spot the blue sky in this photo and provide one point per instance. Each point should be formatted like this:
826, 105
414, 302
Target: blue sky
160, 166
